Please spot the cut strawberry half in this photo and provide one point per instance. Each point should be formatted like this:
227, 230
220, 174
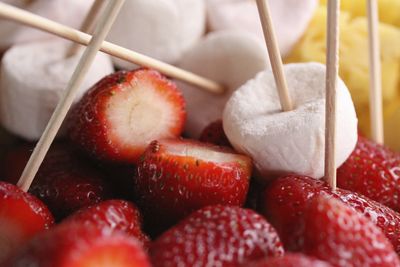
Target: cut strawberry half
116, 215
117, 118
337, 234
21, 217
177, 176
76, 245
216, 236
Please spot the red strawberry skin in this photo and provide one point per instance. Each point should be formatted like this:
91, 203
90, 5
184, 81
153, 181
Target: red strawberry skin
214, 134
118, 215
216, 236
373, 171
336, 233
289, 260
173, 180
66, 181
21, 217
284, 202
90, 126
80, 246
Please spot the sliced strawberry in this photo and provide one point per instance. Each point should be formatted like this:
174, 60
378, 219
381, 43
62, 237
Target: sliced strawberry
216, 236
79, 246
289, 260
337, 234
66, 181
284, 202
373, 171
176, 177
117, 118
118, 215
214, 134
21, 217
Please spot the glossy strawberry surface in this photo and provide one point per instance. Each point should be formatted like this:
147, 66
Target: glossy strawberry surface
336, 233
216, 236
284, 202
176, 177
77, 245
118, 215
373, 171
289, 260
22, 216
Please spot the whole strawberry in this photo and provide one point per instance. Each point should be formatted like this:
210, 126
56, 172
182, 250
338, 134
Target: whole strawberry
373, 171
176, 177
77, 245
216, 236
289, 260
214, 134
337, 234
66, 180
22, 216
285, 200
115, 215
120, 115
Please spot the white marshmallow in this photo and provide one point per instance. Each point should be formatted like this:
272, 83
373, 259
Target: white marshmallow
162, 29
290, 18
289, 142
32, 80
71, 13
230, 58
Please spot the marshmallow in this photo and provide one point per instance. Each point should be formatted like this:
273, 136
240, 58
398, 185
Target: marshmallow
230, 58
290, 18
162, 29
289, 142
33, 78
71, 13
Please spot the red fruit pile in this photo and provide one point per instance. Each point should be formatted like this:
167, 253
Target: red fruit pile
124, 144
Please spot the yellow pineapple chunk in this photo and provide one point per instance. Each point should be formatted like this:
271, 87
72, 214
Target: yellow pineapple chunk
392, 124
389, 10
354, 58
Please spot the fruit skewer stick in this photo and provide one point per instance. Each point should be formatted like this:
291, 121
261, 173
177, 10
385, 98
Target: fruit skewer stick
274, 54
332, 69
37, 22
88, 25
104, 25
375, 84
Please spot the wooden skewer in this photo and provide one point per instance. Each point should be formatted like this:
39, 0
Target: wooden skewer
274, 54
66, 101
375, 84
88, 25
31, 20
332, 70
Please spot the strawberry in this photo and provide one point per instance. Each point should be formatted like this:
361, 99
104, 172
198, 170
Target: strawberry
119, 116
336, 233
216, 236
214, 134
284, 202
75, 245
177, 176
289, 260
21, 217
66, 181
118, 215
373, 171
